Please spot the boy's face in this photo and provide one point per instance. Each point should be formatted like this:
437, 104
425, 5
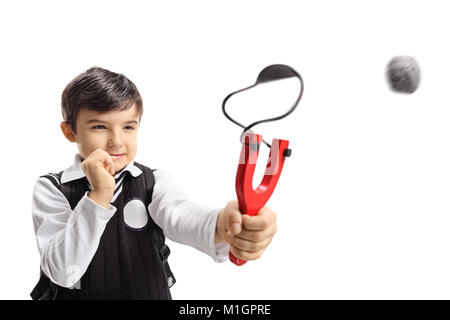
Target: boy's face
114, 132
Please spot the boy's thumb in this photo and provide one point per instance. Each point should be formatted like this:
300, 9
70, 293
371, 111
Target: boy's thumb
235, 222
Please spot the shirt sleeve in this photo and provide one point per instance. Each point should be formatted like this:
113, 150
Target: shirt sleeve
67, 239
183, 220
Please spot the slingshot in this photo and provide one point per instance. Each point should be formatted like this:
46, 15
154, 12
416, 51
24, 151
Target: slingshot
252, 200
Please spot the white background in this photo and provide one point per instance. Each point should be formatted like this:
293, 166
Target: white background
363, 203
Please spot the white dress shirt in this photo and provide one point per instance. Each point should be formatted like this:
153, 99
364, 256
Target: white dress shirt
68, 239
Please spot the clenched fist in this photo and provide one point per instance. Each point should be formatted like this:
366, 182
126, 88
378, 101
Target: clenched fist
99, 170
248, 236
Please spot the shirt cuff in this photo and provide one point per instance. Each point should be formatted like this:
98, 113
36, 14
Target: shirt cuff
221, 252
99, 210
218, 251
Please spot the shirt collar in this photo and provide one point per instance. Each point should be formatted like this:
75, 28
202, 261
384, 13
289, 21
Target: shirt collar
75, 172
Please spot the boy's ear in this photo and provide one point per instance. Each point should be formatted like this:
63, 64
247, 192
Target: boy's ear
67, 131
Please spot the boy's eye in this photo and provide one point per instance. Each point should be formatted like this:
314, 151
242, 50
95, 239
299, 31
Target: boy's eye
99, 125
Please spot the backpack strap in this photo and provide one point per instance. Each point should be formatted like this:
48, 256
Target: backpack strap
164, 250
45, 289
42, 290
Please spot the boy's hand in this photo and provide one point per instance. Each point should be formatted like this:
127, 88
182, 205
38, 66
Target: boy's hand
248, 236
99, 170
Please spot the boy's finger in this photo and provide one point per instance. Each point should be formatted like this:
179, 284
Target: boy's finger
107, 159
245, 255
248, 245
257, 235
104, 158
234, 221
110, 169
263, 220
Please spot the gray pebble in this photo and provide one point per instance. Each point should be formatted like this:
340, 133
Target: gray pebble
403, 74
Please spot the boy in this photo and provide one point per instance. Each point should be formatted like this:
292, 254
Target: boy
101, 223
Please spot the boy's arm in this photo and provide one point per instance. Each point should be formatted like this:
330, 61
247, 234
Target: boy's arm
183, 220
67, 239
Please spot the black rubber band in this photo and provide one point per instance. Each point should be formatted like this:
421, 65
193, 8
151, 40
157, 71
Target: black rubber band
271, 73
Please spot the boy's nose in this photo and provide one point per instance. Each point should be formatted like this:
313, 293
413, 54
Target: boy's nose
115, 140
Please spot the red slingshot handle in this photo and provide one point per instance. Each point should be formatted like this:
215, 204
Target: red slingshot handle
252, 200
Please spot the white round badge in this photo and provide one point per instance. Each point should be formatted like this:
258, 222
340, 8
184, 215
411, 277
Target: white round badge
135, 214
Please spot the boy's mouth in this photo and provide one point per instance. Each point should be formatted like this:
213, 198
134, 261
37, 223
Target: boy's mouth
117, 155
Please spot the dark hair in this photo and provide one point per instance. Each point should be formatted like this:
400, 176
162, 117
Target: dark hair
100, 90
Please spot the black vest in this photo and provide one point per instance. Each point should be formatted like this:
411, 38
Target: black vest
129, 263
